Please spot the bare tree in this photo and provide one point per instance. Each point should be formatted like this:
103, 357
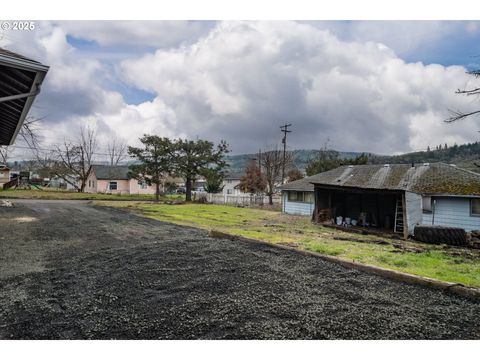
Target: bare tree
116, 150
74, 159
4, 154
29, 134
459, 115
273, 162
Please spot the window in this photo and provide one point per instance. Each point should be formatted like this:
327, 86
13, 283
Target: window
300, 196
427, 204
113, 185
475, 207
308, 197
142, 184
229, 191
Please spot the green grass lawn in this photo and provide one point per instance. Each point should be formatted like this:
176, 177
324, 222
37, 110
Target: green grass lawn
55, 194
434, 261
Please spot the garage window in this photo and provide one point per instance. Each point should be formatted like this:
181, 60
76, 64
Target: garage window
113, 185
475, 207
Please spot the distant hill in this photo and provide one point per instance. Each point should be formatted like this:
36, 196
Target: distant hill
301, 157
464, 156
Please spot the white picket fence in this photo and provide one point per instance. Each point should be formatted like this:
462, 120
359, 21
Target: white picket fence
236, 200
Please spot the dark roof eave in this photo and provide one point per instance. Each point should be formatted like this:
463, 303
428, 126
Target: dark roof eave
297, 189
343, 187
28, 104
23, 63
12, 60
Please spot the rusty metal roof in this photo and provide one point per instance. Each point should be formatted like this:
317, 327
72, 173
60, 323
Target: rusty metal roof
434, 178
18, 76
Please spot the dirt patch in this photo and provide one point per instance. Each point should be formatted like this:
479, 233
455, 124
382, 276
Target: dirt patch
97, 273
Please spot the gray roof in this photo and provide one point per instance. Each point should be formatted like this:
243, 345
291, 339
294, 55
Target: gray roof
304, 184
108, 172
434, 178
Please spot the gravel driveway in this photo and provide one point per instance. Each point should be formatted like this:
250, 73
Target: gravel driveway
72, 271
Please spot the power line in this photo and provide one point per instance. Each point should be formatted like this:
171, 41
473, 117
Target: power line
48, 150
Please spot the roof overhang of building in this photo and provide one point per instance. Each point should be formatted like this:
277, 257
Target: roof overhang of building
20, 82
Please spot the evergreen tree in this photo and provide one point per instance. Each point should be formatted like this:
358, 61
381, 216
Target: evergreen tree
155, 161
191, 158
214, 178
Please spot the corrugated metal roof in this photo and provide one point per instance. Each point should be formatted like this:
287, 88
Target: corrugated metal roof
435, 178
108, 172
18, 75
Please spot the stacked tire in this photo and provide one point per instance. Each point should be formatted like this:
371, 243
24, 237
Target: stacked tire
440, 235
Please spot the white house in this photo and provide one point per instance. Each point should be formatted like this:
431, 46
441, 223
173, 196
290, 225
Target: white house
231, 184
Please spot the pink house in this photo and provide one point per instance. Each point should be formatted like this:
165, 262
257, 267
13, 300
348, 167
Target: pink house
109, 179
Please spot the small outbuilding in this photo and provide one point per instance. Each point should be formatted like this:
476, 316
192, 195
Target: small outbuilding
298, 197
398, 197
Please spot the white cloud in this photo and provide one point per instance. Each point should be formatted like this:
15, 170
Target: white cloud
159, 34
245, 79
242, 81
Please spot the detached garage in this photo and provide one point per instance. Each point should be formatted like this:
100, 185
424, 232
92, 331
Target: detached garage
20, 82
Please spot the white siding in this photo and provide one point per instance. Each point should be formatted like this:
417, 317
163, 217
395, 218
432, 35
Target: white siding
296, 208
453, 212
229, 187
413, 204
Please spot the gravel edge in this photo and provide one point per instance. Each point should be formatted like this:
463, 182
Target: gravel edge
456, 288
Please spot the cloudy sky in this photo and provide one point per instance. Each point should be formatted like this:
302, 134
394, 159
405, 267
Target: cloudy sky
379, 86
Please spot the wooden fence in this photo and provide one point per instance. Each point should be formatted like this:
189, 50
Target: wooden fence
236, 200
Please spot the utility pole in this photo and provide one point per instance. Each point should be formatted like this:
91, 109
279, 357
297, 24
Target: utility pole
284, 129
259, 160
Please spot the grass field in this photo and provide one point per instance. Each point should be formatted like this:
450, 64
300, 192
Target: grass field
49, 194
434, 261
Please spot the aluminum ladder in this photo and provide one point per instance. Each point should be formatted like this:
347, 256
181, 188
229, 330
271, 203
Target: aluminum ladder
398, 226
